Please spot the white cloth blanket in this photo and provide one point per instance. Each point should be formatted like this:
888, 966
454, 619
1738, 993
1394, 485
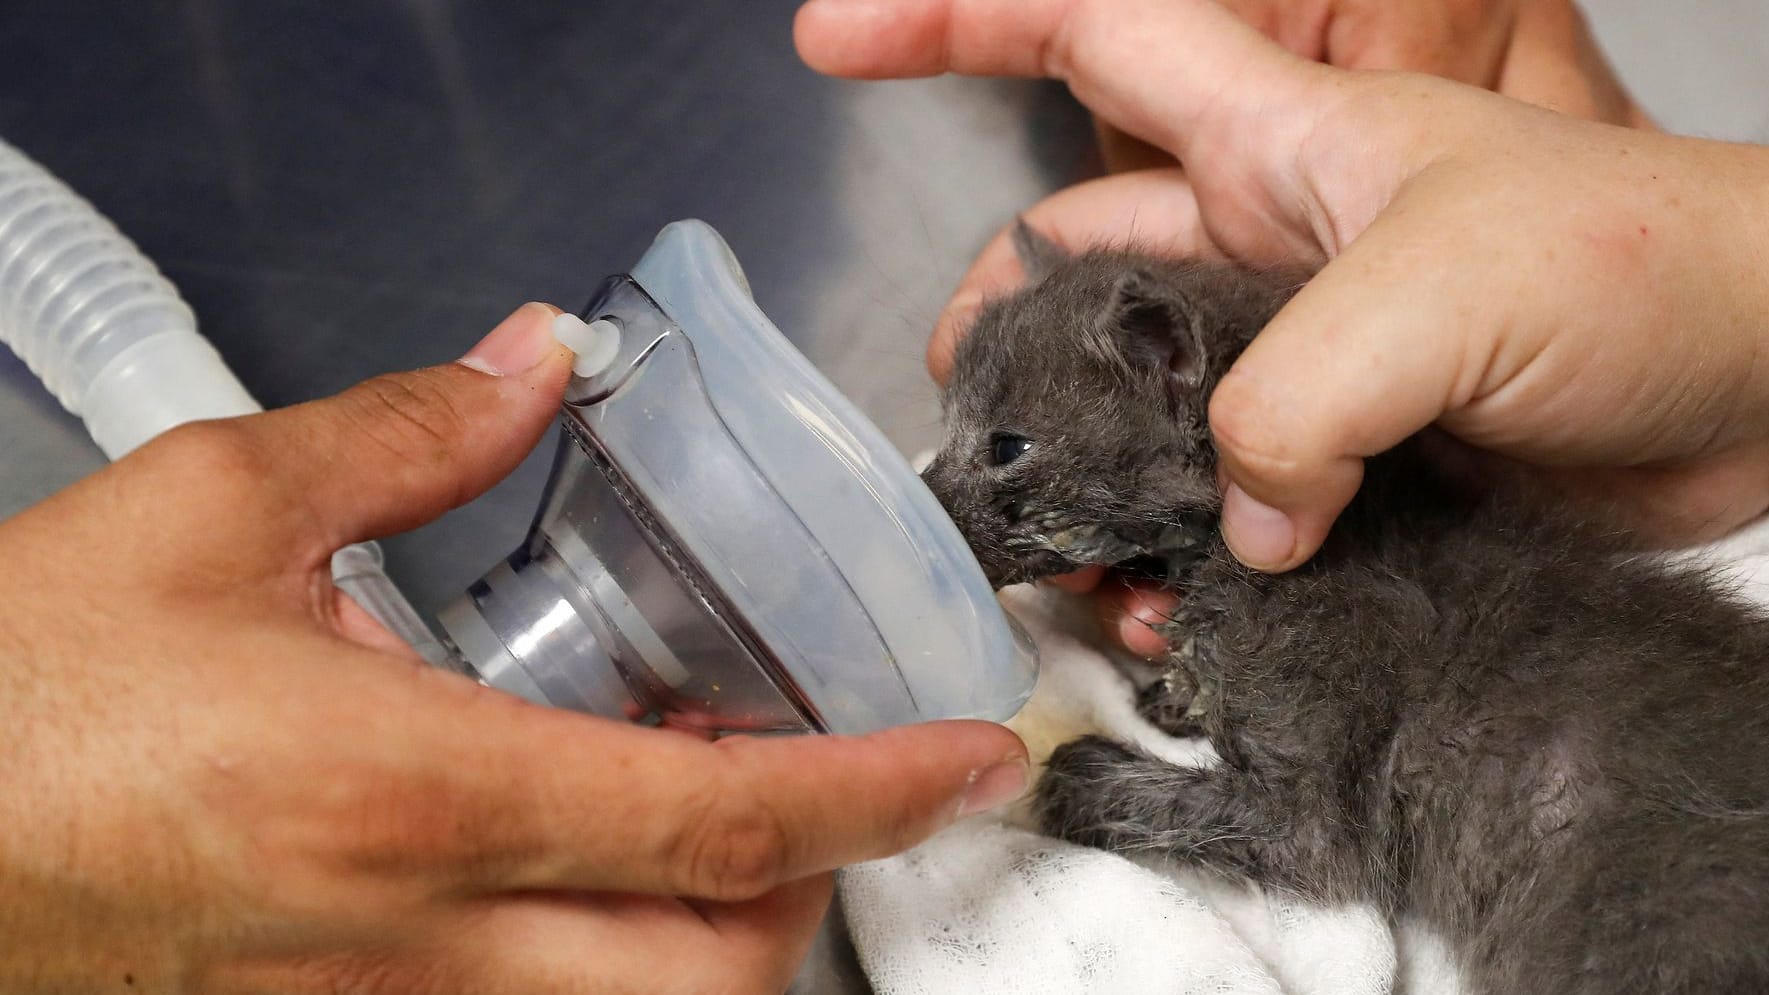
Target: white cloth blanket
992, 906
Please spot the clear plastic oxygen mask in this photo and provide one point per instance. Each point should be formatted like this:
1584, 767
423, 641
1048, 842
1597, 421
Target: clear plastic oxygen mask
726, 542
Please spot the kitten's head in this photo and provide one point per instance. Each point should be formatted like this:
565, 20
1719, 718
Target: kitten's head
1076, 413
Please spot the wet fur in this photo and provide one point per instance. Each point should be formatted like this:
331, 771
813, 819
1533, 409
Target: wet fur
1473, 708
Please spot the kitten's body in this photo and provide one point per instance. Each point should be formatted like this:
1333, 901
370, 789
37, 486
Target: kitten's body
1468, 707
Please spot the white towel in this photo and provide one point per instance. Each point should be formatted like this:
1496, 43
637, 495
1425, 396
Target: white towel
992, 906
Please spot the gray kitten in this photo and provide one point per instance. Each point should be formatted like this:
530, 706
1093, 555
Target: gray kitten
1469, 707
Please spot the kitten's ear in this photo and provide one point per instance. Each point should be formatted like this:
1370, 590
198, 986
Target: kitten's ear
1157, 326
1038, 254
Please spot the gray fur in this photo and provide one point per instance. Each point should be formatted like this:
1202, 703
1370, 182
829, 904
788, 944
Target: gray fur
1470, 707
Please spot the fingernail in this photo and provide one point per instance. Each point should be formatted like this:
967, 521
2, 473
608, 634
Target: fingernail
516, 344
993, 787
1136, 630
1260, 536
1138, 635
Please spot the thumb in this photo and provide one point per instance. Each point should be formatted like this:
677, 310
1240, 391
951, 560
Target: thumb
400, 449
1353, 365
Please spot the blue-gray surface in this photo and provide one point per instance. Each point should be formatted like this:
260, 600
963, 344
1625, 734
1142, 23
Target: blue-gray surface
342, 189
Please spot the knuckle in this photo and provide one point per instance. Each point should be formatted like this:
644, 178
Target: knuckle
740, 850
221, 452
207, 466
407, 827
374, 969
414, 416
1241, 421
349, 823
377, 972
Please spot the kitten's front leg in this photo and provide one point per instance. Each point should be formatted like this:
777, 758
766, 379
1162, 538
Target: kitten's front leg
1103, 794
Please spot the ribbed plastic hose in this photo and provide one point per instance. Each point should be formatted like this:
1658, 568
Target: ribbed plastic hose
109, 336
91, 316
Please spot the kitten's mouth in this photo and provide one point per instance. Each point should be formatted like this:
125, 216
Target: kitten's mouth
1186, 543
1161, 554
1145, 567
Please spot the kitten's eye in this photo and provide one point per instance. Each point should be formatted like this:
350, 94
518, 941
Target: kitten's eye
1004, 449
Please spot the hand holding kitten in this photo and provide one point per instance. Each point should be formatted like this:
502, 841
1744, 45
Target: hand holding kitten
1581, 297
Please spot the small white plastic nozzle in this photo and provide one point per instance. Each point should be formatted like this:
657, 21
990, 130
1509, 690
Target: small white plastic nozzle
595, 343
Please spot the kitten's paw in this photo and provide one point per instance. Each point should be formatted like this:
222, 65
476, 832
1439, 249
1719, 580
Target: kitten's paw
1103, 794
1168, 705
1087, 794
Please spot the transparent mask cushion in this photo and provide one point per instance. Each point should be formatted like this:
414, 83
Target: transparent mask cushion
729, 535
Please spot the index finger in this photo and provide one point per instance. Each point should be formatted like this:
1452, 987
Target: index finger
1118, 56
559, 800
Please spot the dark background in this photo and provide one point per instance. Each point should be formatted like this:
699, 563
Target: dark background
341, 189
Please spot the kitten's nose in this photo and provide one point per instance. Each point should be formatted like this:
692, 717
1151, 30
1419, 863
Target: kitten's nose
938, 480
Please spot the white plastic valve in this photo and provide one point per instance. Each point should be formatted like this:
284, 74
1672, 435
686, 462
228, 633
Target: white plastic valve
596, 343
